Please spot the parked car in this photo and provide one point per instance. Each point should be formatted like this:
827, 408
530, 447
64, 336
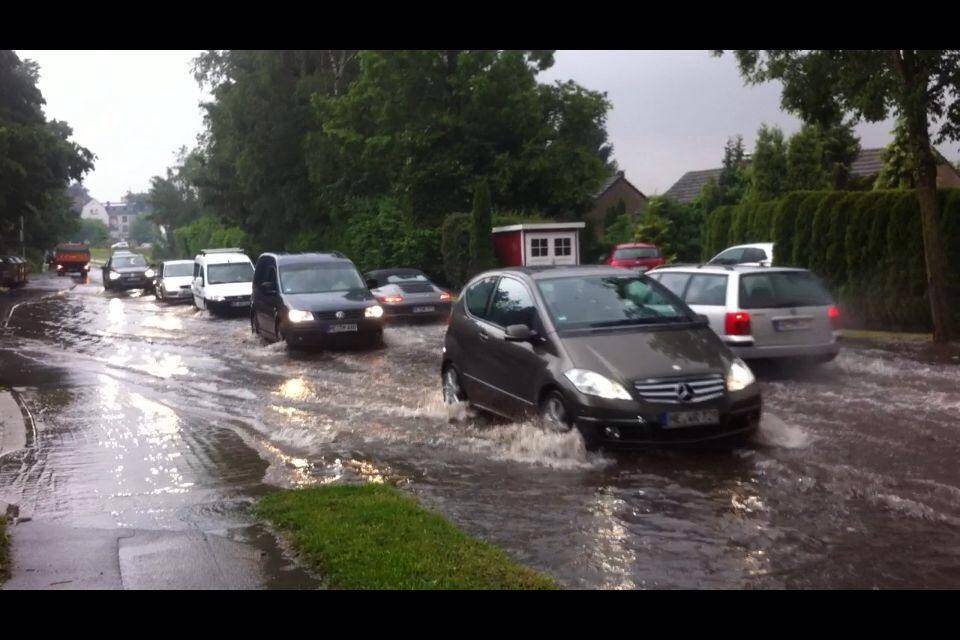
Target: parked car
610, 352
13, 271
313, 299
761, 312
634, 255
125, 270
407, 293
173, 280
120, 245
72, 257
222, 281
758, 254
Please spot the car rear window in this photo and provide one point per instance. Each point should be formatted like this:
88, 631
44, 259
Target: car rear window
707, 289
634, 253
675, 282
782, 289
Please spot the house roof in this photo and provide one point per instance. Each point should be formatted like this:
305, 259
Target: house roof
612, 180
868, 163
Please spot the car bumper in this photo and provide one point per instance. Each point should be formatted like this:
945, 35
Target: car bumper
754, 352
236, 305
178, 294
131, 283
317, 332
644, 424
407, 311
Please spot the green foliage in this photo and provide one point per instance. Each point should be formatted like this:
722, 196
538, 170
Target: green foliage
455, 248
768, 165
142, 230
380, 235
481, 244
374, 536
94, 232
207, 233
867, 247
899, 167
38, 161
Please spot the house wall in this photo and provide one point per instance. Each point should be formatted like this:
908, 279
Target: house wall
619, 190
509, 248
93, 210
947, 176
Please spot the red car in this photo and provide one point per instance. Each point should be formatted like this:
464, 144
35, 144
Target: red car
635, 255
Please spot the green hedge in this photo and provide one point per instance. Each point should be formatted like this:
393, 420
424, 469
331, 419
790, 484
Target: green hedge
867, 246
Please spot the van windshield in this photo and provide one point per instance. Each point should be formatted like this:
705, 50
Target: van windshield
320, 278
578, 302
230, 272
779, 289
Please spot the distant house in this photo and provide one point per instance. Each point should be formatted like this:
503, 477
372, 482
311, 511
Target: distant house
866, 165
93, 210
614, 189
121, 216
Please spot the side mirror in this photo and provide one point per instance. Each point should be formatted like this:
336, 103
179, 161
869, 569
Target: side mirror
519, 333
703, 319
371, 283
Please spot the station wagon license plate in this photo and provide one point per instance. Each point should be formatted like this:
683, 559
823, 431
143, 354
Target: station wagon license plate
424, 309
792, 324
341, 328
677, 419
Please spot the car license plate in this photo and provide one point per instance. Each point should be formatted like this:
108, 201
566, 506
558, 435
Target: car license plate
341, 328
424, 309
792, 324
677, 419
239, 303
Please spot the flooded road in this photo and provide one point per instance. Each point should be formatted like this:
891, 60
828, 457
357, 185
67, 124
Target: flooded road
160, 417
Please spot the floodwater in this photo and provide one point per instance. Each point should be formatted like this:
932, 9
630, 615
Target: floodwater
151, 415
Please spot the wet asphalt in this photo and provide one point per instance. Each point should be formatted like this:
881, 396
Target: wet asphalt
156, 426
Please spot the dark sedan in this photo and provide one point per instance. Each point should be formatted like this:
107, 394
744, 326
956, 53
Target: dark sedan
316, 299
608, 351
125, 270
408, 293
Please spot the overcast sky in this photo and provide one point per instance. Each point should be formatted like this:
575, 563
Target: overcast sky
672, 111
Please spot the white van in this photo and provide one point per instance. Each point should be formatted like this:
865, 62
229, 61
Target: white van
222, 280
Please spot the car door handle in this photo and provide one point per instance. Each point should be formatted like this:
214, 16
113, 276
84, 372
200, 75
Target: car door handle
484, 335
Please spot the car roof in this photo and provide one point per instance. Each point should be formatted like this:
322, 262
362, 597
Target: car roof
560, 271
399, 271
722, 269
306, 257
222, 258
634, 245
755, 245
178, 262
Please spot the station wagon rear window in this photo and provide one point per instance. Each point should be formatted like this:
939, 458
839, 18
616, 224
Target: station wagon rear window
780, 289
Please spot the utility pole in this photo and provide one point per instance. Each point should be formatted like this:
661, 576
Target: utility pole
23, 241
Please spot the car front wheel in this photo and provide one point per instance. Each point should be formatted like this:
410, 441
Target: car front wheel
452, 389
553, 413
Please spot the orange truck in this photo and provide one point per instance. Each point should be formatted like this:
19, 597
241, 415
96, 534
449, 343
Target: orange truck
72, 257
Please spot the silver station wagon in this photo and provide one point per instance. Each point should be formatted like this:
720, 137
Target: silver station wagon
760, 312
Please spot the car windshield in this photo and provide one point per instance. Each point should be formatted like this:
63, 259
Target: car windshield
178, 269
578, 302
782, 289
634, 253
231, 272
129, 261
320, 278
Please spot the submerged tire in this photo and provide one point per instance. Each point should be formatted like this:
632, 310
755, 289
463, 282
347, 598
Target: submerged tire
554, 414
451, 386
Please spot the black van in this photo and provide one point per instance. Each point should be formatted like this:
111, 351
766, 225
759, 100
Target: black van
313, 299
603, 349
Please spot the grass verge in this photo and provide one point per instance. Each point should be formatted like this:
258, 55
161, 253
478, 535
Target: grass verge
374, 536
4, 551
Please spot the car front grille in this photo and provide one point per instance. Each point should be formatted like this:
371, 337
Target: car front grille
236, 298
681, 390
348, 314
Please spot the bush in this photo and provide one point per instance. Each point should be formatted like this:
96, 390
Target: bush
866, 245
455, 248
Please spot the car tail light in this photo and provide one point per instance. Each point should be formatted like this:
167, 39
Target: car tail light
444, 297
737, 324
834, 314
391, 299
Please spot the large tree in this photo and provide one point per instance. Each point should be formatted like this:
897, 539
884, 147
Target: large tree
768, 166
38, 160
922, 87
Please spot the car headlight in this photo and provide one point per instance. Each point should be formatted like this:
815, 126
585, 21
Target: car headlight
295, 315
149, 273
594, 384
376, 311
217, 298
739, 376
114, 275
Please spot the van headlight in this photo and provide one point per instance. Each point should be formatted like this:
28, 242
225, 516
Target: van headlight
217, 298
149, 273
739, 376
296, 315
376, 311
594, 384
114, 275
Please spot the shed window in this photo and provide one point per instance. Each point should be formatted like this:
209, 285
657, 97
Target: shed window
539, 247
562, 247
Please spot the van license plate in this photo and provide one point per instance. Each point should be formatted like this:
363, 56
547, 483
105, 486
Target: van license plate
341, 328
677, 419
799, 324
424, 309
